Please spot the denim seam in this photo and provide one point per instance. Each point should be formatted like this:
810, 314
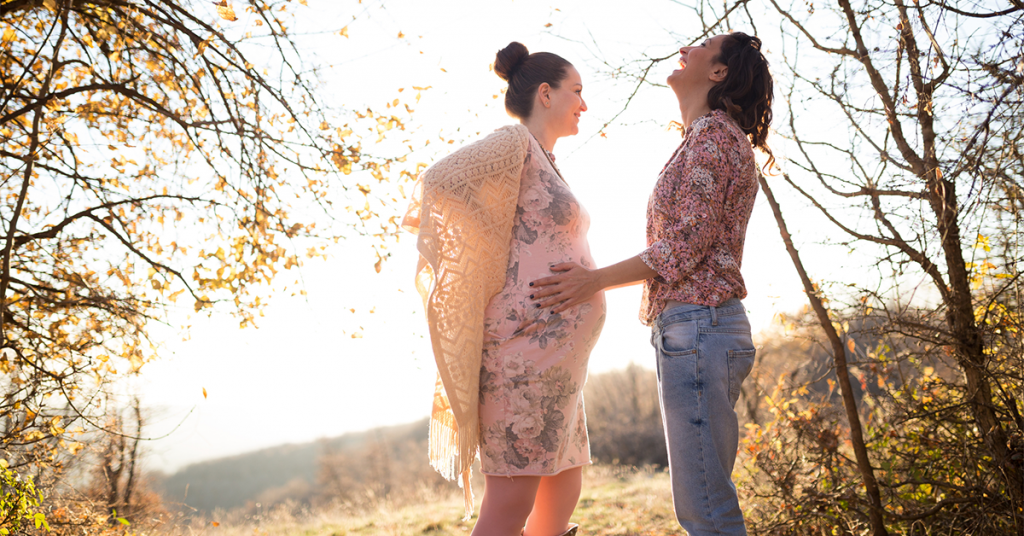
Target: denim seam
700, 431
680, 353
721, 330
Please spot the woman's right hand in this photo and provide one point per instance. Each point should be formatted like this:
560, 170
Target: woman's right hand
571, 285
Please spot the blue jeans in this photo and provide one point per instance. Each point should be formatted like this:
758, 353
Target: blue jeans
704, 353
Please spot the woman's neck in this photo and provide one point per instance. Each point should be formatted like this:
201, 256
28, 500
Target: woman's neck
691, 111
536, 127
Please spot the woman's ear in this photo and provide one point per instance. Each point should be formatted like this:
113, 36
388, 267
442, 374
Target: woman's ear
719, 73
544, 94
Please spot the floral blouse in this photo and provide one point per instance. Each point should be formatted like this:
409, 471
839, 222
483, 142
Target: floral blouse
697, 218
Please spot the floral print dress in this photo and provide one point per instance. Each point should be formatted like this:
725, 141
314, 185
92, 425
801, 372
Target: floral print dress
535, 362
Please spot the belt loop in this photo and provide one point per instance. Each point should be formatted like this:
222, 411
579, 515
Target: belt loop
714, 316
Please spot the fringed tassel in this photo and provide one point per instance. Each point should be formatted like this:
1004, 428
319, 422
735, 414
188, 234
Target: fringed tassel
467, 488
452, 449
444, 444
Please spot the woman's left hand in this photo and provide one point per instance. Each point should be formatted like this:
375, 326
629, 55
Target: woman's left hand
571, 285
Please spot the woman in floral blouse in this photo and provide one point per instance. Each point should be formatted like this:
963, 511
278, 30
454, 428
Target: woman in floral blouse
696, 223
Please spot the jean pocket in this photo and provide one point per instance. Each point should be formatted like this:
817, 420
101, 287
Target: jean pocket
740, 364
679, 338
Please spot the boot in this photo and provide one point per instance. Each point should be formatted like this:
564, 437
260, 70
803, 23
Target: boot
573, 527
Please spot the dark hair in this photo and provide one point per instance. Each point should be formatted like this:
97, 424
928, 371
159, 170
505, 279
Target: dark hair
747, 92
524, 73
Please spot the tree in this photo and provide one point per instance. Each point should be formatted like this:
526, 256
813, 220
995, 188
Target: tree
920, 172
152, 151
928, 100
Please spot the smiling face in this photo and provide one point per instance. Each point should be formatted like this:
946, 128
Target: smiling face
563, 115
698, 68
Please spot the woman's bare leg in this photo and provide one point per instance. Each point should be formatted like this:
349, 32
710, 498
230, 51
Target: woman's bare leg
507, 503
555, 501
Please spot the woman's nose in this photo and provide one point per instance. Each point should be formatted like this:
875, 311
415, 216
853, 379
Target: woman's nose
583, 105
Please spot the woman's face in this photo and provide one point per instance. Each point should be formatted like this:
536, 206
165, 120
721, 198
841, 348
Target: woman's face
567, 104
697, 66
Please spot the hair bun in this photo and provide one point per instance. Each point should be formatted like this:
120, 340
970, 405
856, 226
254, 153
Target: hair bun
509, 59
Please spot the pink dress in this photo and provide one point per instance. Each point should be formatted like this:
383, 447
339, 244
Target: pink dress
534, 363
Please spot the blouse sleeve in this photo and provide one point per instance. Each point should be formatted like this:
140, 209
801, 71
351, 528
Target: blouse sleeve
692, 209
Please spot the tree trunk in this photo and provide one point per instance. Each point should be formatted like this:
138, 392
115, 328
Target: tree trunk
860, 450
970, 345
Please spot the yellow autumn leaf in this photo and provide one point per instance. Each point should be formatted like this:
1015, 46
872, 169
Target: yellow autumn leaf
225, 11
204, 392
401, 35
9, 35
851, 345
344, 32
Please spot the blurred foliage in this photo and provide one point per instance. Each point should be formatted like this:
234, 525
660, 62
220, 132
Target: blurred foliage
19, 502
796, 469
624, 418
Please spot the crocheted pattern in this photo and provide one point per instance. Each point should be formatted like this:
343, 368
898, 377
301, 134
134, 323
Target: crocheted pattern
463, 209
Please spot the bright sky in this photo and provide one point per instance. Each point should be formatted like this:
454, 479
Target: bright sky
302, 375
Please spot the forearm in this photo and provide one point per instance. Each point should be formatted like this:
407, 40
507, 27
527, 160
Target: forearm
628, 272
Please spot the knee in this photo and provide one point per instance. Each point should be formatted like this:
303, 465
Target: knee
508, 506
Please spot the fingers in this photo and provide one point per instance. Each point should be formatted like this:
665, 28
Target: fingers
553, 300
562, 266
544, 281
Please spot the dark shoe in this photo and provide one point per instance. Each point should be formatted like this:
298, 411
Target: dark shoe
573, 528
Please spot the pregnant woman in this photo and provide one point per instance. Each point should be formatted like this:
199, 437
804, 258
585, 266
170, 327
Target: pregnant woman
696, 224
491, 217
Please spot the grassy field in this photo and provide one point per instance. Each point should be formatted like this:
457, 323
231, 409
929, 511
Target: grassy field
615, 502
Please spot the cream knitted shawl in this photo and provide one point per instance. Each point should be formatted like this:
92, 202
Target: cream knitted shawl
462, 210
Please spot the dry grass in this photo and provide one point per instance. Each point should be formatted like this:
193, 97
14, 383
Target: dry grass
616, 501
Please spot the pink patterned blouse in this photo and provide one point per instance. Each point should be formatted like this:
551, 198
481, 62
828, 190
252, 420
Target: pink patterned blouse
697, 218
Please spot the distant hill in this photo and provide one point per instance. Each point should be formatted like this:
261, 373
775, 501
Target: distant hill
623, 420
287, 471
